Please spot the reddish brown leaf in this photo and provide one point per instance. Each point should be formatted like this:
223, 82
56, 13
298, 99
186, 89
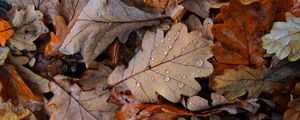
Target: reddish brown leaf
239, 36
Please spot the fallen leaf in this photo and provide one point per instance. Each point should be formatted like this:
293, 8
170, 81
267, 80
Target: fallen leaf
199, 7
236, 83
69, 9
166, 65
283, 39
29, 26
47, 7
14, 89
6, 31
34, 81
99, 24
7, 112
238, 38
217, 3
3, 54
293, 112
194, 23
81, 104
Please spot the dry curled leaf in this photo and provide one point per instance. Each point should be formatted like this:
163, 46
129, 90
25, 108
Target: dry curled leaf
6, 31
283, 39
166, 65
29, 26
100, 23
239, 37
84, 103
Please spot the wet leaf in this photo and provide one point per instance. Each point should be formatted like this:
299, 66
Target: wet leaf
6, 31
283, 39
81, 104
166, 65
100, 23
29, 26
238, 38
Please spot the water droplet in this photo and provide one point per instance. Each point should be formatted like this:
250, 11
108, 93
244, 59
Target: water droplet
167, 78
156, 45
198, 71
152, 78
180, 85
151, 59
169, 39
162, 40
170, 46
94, 16
156, 71
138, 84
166, 52
184, 76
199, 62
167, 71
193, 73
145, 79
109, 23
177, 35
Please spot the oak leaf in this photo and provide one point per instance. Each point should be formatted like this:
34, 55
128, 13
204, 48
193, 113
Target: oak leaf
29, 26
72, 102
239, 37
100, 22
6, 31
194, 23
283, 39
166, 65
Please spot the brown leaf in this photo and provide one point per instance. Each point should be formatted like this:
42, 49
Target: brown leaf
166, 65
47, 7
14, 89
194, 23
293, 112
199, 7
100, 23
71, 8
239, 37
29, 26
81, 104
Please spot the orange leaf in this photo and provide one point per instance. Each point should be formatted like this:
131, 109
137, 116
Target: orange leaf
239, 36
15, 89
5, 31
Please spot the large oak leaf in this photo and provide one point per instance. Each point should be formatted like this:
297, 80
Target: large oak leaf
239, 36
100, 22
167, 65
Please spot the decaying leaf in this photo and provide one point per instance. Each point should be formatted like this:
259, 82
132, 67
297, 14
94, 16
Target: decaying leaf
100, 23
72, 102
47, 7
14, 89
236, 83
199, 7
3, 54
29, 26
283, 39
293, 112
7, 112
238, 38
167, 65
6, 31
